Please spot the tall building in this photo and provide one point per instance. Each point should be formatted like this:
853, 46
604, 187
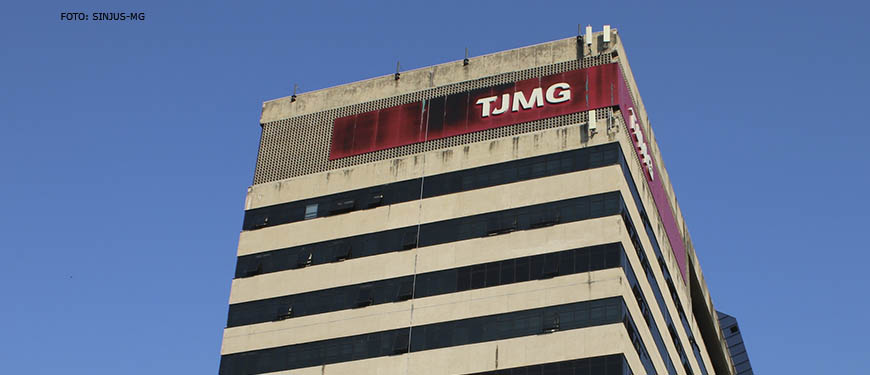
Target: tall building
506, 214
734, 338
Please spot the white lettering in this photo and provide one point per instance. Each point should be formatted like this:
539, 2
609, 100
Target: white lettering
557, 93
642, 149
536, 99
563, 96
486, 102
505, 103
638, 135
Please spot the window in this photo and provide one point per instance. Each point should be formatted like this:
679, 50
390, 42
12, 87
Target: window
432, 336
406, 290
310, 211
458, 229
364, 298
254, 269
341, 251
284, 312
406, 287
409, 240
551, 266
303, 260
376, 199
400, 345
551, 322
342, 205
440, 184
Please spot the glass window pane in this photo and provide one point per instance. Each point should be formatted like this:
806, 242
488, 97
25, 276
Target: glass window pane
310, 211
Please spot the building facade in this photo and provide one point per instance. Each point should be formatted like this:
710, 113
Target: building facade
507, 214
739, 356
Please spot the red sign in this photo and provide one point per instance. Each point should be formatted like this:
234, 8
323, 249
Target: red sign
482, 109
508, 104
660, 197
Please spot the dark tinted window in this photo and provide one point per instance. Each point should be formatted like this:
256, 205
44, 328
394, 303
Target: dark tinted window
441, 184
427, 284
431, 336
489, 224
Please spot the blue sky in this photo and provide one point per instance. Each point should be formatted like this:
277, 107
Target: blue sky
126, 149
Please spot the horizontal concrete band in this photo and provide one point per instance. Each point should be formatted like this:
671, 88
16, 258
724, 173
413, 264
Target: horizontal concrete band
435, 309
496, 198
422, 78
657, 272
637, 220
411, 263
359, 317
297, 185
478, 329
646, 243
452, 159
368, 197
421, 285
637, 173
455, 306
613, 223
429, 259
467, 359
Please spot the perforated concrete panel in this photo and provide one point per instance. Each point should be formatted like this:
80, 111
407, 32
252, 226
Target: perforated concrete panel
299, 145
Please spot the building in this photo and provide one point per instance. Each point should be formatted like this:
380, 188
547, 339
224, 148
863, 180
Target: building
739, 356
506, 214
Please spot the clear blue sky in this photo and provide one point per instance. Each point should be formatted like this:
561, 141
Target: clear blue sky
126, 149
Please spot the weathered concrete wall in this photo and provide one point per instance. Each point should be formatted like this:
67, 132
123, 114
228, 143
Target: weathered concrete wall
453, 255
418, 79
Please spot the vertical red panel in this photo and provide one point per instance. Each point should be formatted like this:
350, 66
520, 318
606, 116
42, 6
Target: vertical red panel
399, 125
602, 86
342, 137
435, 118
526, 87
456, 114
475, 119
364, 132
424, 121
578, 82
552, 110
409, 121
387, 136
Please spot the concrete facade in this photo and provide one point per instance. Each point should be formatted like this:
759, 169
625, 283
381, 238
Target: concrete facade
703, 347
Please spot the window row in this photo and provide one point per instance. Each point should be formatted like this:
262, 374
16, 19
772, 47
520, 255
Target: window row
441, 184
334, 204
482, 225
519, 323
327, 251
648, 318
664, 269
614, 364
523, 218
657, 291
674, 297
503, 272
437, 335
639, 347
